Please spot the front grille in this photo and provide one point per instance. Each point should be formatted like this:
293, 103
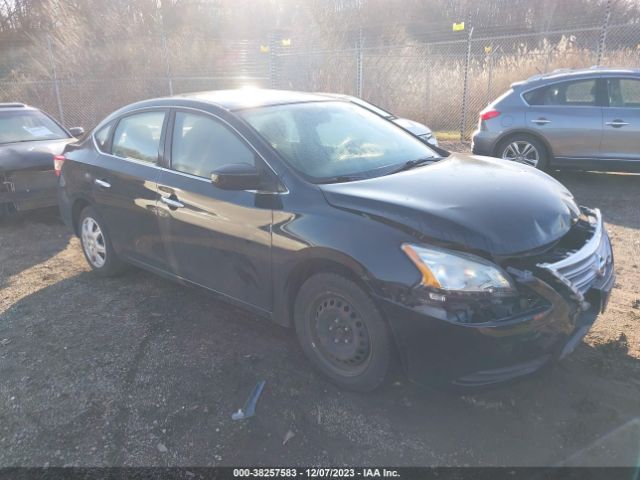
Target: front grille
583, 267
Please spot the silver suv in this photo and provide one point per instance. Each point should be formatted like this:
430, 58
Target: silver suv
587, 119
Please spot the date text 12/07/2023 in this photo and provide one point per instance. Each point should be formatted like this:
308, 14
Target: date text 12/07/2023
315, 472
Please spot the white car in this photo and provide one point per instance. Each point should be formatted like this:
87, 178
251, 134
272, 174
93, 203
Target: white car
418, 129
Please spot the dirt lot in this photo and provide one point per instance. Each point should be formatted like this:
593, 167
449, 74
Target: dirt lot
141, 371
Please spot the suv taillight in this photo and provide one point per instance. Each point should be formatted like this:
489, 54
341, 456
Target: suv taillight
489, 114
58, 160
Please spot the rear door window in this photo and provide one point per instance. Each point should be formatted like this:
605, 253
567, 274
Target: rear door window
578, 93
624, 92
138, 136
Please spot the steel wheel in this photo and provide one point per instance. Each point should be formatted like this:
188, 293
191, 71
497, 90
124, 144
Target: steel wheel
340, 335
522, 151
93, 242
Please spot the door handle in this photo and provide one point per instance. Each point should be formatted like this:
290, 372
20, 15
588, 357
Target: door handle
171, 202
540, 121
617, 123
102, 183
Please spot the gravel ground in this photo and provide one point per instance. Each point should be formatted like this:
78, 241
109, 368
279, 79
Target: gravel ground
140, 371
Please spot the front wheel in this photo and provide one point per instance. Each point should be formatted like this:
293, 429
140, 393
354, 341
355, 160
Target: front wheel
342, 332
524, 149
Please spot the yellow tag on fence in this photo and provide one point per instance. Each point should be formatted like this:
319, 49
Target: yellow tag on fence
458, 27
264, 48
286, 42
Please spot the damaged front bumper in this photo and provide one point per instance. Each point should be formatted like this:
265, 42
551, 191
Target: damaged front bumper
566, 289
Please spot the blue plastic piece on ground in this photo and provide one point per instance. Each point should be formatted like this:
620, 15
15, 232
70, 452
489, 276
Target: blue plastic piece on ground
249, 408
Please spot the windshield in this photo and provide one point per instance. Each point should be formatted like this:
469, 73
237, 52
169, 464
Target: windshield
28, 126
327, 140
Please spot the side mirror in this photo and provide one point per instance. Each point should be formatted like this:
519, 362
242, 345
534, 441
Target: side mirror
76, 131
237, 176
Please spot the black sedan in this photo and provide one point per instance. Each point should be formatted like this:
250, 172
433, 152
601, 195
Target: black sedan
29, 140
325, 217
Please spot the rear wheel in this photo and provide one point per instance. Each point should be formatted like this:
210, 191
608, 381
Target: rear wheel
342, 332
96, 244
524, 149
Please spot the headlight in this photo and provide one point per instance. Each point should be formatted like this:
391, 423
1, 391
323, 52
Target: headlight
458, 272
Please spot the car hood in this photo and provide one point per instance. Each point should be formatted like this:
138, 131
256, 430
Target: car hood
416, 128
36, 155
470, 202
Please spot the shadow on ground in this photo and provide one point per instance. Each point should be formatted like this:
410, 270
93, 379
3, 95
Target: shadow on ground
18, 254
616, 194
115, 371
137, 370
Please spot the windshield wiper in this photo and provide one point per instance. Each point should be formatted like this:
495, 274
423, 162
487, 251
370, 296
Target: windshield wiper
339, 179
408, 165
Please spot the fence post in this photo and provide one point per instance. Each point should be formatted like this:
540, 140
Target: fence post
428, 65
167, 63
56, 86
273, 74
490, 75
603, 34
359, 62
465, 87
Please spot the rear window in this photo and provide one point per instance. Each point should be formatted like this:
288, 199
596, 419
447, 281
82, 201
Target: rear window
102, 137
138, 136
624, 92
581, 93
28, 126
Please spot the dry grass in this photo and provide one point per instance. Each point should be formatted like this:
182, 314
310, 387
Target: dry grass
422, 82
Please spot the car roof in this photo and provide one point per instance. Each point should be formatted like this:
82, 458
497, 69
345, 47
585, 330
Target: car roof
242, 98
230, 100
14, 106
568, 73
343, 96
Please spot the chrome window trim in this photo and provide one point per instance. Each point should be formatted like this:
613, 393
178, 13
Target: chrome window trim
245, 140
596, 78
232, 128
162, 168
117, 121
206, 180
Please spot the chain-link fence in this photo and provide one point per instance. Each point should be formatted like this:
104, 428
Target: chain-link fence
446, 84
443, 82
83, 92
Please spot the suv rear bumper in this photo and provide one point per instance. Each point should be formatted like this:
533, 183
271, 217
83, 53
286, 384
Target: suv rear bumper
483, 143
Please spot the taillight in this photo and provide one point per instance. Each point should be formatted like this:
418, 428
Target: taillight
489, 114
58, 160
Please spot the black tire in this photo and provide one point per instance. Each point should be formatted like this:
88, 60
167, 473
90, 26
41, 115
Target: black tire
543, 154
363, 362
111, 265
